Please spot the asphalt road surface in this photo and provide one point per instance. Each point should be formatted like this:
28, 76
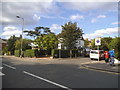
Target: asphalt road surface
22, 74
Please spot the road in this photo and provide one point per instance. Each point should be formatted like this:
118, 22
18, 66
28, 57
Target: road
23, 74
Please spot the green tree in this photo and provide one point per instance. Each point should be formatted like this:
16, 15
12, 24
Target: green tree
11, 44
38, 31
25, 44
105, 42
70, 33
47, 42
86, 42
115, 44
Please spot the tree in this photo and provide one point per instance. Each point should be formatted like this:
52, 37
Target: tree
86, 42
11, 44
47, 42
70, 33
115, 44
38, 31
25, 45
104, 43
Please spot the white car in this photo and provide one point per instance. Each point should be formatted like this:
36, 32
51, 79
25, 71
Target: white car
96, 54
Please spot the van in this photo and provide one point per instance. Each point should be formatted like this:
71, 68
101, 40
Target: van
96, 54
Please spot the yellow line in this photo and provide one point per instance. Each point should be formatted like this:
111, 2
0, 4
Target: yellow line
101, 70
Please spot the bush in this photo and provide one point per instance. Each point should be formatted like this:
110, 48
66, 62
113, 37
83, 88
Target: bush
64, 53
17, 53
30, 53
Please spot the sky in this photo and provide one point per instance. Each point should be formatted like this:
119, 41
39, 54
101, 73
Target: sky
96, 19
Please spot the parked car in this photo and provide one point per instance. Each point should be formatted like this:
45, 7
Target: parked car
96, 54
87, 52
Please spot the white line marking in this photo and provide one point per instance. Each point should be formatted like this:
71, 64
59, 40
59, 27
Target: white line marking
9, 66
1, 74
47, 80
1, 67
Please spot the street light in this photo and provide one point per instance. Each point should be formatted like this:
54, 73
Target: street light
22, 34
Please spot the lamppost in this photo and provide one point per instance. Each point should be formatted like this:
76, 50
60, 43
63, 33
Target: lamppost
22, 34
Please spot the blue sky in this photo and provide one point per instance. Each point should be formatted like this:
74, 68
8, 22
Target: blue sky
95, 18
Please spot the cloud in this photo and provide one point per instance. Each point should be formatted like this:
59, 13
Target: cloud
88, 6
11, 30
36, 17
115, 23
98, 17
102, 32
75, 17
56, 28
101, 16
93, 20
27, 10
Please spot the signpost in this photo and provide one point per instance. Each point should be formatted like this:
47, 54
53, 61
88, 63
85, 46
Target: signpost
98, 43
59, 47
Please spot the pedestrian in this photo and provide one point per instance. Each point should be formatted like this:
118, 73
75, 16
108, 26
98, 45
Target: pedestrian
112, 57
106, 56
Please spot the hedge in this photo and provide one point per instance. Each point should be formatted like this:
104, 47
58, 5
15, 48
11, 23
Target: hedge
17, 53
64, 53
31, 53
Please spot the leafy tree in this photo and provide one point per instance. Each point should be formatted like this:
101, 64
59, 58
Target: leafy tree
86, 42
104, 43
115, 44
38, 31
47, 42
25, 44
11, 44
70, 33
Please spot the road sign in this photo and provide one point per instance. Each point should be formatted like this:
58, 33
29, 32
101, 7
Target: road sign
59, 46
97, 41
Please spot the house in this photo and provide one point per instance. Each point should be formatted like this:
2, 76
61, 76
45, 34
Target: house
3, 43
79, 43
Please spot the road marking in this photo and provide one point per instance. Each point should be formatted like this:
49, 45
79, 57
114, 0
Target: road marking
100, 70
47, 80
1, 67
9, 66
1, 74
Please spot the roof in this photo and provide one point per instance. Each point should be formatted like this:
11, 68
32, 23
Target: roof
2, 41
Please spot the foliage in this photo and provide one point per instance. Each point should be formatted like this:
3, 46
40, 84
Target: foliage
104, 43
25, 44
38, 31
17, 53
86, 42
11, 44
70, 33
56, 53
47, 42
115, 44
29, 53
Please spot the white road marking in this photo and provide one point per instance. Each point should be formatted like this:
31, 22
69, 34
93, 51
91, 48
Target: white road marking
9, 66
1, 74
47, 80
1, 67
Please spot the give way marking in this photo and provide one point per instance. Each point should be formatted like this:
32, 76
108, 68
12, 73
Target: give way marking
1, 74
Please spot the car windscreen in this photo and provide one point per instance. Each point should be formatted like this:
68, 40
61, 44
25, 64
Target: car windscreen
94, 52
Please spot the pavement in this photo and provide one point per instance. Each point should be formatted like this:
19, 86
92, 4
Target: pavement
102, 66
